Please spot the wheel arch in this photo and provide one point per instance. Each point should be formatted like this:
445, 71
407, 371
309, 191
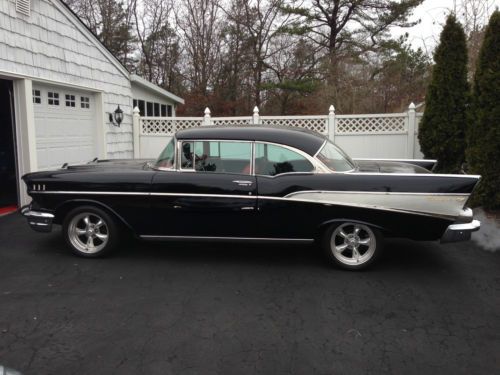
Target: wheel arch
327, 224
64, 208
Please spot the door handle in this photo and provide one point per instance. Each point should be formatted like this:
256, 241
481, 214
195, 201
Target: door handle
243, 182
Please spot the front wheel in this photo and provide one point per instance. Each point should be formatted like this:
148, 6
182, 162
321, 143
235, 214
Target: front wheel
352, 246
90, 232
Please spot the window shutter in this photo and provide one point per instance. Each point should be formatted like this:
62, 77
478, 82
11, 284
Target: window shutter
23, 7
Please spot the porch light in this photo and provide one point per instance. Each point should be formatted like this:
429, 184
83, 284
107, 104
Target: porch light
117, 117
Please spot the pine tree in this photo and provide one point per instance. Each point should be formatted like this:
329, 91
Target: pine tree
443, 127
483, 137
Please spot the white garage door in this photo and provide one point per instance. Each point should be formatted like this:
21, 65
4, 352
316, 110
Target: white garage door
65, 124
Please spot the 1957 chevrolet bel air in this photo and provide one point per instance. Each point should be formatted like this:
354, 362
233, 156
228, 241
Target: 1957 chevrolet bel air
253, 183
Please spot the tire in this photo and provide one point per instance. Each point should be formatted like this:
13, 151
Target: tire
90, 232
352, 246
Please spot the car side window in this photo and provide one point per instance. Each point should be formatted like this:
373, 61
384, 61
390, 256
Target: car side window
223, 156
272, 160
187, 153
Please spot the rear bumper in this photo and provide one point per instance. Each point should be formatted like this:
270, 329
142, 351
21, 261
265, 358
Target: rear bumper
462, 229
38, 221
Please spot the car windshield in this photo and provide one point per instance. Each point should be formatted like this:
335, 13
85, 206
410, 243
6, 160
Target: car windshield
334, 158
166, 158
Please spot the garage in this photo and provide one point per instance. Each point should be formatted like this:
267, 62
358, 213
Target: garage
65, 125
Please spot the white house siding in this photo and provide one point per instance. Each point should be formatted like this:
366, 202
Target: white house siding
147, 95
50, 46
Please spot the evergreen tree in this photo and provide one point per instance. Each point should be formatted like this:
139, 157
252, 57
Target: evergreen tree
443, 127
483, 151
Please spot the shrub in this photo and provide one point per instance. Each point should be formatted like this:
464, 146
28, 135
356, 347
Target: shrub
483, 135
443, 127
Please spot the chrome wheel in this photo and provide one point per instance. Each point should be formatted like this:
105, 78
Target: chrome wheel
353, 244
88, 232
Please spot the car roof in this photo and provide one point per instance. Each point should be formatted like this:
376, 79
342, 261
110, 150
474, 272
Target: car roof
302, 139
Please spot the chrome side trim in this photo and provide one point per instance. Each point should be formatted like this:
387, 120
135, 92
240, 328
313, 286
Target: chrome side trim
383, 159
244, 196
442, 205
216, 238
205, 195
89, 192
415, 174
372, 192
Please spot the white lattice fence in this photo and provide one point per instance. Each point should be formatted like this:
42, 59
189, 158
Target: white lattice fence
315, 123
371, 135
371, 124
167, 125
231, 121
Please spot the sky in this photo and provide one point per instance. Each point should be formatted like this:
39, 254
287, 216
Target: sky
432, 14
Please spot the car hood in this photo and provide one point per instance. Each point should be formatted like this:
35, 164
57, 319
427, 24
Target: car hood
376, 166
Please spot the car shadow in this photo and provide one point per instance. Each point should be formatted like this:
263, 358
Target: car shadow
397, 254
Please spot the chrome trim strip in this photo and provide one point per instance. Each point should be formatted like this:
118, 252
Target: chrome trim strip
372, 192
244, 196
384, 159
205, 195
203, 238
414, 174
89, 192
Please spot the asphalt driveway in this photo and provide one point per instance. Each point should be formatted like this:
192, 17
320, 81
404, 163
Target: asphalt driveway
232, 309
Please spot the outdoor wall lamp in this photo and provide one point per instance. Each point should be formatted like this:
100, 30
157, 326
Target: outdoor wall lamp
116, 117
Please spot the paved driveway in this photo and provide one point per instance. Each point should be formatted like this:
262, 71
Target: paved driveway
196, 309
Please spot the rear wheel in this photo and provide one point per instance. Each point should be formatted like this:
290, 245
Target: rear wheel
352, 246
90, 232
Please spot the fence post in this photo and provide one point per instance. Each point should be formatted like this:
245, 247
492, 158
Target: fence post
331, 123
136, 128
255, 117
206, 119
412, 123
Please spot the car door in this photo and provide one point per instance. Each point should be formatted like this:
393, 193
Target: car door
212, 193
280, 171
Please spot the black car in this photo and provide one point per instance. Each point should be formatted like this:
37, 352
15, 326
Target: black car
253, 183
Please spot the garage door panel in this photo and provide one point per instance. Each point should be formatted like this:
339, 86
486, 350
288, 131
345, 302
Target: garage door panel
64, 134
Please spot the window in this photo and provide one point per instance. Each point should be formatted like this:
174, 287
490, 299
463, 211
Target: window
166, 158
169, 110
141, 105
53, 98
70, 100
157, 109
37, 97
85, 102
335, 159
272, 160
163, 110
223, 156
149, 109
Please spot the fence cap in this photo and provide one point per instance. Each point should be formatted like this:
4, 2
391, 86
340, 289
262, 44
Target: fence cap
255, 110
331, 110
207, 111
412, 106
136, 110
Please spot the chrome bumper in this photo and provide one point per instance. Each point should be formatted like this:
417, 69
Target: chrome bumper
462, 229
38, 221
